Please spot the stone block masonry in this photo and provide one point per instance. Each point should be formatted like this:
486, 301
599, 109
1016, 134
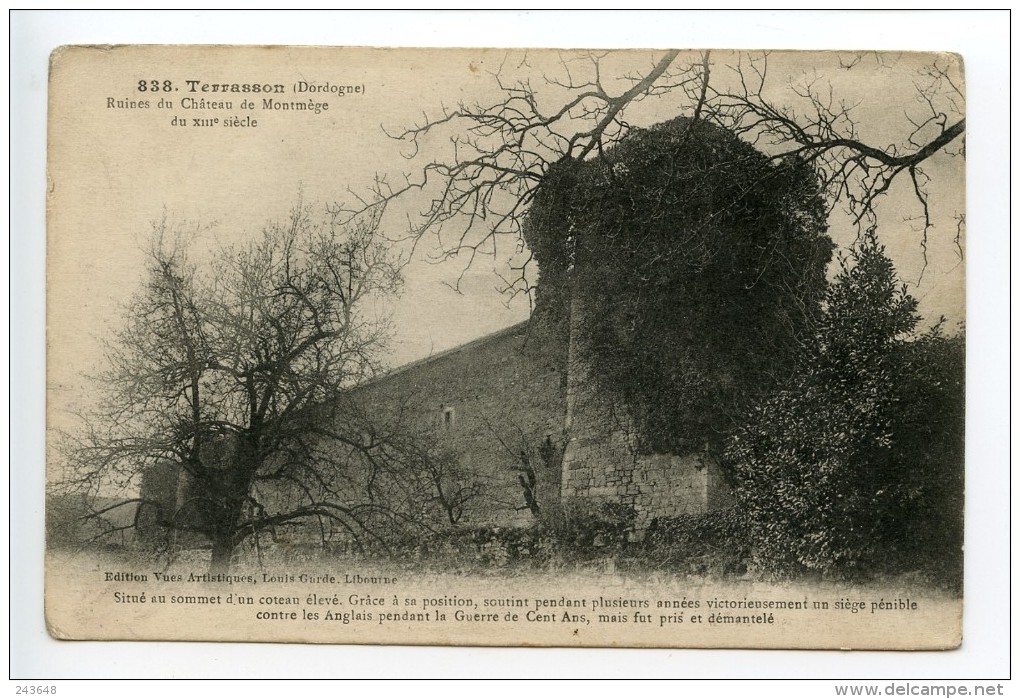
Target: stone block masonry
498, 404
602, 462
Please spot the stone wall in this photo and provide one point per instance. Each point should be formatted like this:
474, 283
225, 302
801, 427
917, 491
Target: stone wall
602, 461
509, 410
498, 404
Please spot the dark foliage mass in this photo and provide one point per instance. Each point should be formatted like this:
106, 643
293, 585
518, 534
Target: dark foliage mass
698, 264
709, 543
855, 465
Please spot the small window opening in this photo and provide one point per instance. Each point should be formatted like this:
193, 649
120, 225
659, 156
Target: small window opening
449, 420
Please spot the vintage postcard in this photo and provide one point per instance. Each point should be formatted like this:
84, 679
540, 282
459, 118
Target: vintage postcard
506, 347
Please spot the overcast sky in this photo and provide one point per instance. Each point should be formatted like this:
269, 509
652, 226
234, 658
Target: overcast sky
115, 170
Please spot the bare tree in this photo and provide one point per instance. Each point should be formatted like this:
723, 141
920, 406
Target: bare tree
819, 126
499, 152
238, 375
535, 461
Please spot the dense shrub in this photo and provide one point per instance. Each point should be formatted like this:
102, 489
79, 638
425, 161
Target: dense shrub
588, 528
924, 531
710, 543
855, 466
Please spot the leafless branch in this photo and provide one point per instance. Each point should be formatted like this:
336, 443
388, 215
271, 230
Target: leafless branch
499, 152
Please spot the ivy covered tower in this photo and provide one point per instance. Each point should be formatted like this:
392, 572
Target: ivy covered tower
688, 267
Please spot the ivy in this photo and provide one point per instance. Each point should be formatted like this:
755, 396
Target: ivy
697, 265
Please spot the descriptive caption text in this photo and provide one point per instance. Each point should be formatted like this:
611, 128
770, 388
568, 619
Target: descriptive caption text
196, 103
365, 599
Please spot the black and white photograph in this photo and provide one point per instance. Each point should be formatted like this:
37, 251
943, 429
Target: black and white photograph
655, 348
603, 348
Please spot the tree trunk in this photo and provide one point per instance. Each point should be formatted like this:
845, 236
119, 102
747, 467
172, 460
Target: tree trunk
232, 491
222, 549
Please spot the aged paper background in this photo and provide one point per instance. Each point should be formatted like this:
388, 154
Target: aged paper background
136, 131
88, 281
